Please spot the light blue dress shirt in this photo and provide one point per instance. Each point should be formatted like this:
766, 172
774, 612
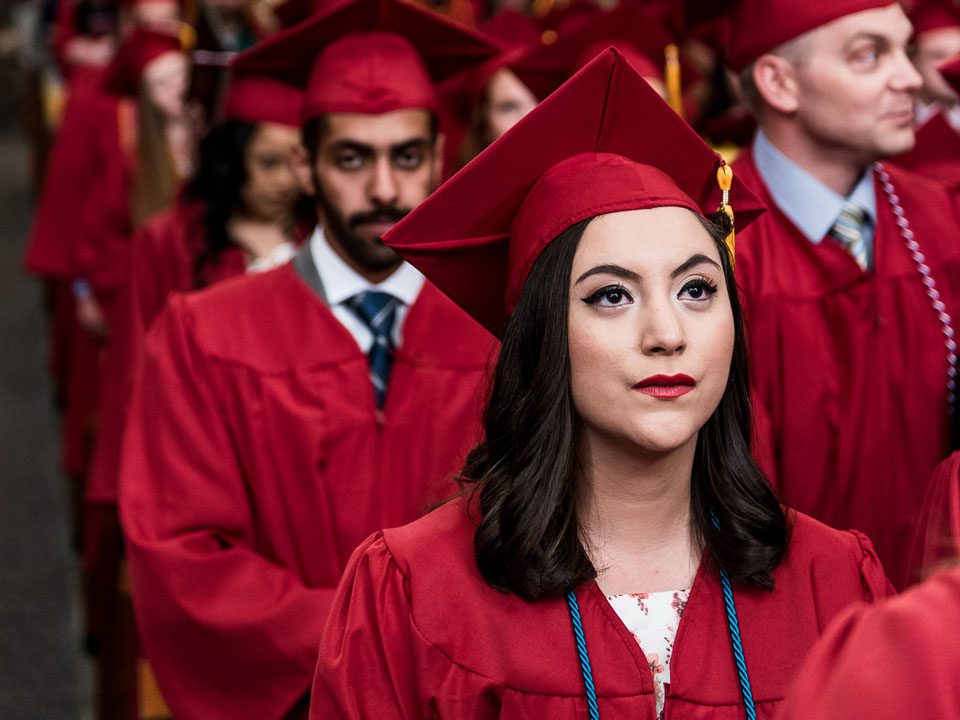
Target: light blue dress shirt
811, 205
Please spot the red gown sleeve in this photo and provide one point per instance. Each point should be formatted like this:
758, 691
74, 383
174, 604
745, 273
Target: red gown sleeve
876, 585
371, 656
229, 633
900, 659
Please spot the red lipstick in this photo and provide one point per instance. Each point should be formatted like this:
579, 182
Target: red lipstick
666, 387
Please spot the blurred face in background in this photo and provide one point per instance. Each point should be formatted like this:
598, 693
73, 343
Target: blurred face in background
508, 100
932, 49
271, 190
165, 81
156, 14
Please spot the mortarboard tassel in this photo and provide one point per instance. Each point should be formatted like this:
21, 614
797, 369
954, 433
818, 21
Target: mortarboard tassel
672, 75
725, 181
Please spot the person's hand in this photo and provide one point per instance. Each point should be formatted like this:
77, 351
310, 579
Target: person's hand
90, 317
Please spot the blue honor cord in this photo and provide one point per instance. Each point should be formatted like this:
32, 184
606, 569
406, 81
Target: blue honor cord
736, 644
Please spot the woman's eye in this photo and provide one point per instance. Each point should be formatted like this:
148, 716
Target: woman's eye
699, 289
610, 296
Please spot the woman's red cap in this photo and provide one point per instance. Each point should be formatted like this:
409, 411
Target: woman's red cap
604, 142
139, 49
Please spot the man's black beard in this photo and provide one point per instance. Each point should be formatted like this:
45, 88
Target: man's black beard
370, 255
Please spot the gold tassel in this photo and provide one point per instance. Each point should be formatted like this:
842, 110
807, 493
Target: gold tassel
671, 74
187, 36
725, 181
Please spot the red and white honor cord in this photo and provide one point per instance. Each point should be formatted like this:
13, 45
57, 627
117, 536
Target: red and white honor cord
926, 277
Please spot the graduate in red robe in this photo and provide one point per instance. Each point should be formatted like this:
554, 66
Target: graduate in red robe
583, 574
173, 252
851, 281
898, 660
936, 39
271, 427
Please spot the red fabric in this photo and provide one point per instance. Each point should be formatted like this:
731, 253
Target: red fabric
258, 99
415, 632
368, 56
937, 539
936, 153
900, 659
104, 226
759, 26
951, 73
141, 47
928, 15
841, 357
255, 462
89, 118
532, 187
163, 261
80, 398
631, 27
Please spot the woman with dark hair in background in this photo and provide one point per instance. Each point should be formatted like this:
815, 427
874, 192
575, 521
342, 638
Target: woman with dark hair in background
617, 553
242, 212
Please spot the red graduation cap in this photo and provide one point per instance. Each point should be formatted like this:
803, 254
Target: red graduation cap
604, 142
758, 26
368, 56
630, 27
512, 29
928, 15
253, 98
139, 49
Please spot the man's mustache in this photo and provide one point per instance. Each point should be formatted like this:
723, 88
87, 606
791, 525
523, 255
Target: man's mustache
380, 215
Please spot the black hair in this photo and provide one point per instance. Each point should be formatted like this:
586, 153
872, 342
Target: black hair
218, 183
528, 540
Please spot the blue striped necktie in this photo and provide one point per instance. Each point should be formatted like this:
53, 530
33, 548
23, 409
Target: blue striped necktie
848, 230
378, 311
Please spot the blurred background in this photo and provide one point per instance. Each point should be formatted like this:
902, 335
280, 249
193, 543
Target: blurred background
44, 672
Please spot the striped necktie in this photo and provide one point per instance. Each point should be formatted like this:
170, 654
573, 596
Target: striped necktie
848, 230
378, 311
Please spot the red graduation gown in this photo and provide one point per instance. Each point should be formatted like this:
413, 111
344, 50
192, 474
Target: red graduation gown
898, 660
415, 632
255, 462
850, 367
163, 261
938, 532
936, 153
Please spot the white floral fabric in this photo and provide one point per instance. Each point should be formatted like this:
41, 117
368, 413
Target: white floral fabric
653, 618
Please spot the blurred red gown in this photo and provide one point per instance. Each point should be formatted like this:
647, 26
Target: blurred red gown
255, 462
850, 367
163, 260
936, 154
900, 659
416, 632
938, 533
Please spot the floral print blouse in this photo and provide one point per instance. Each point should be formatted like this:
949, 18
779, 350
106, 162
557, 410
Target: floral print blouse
653, 618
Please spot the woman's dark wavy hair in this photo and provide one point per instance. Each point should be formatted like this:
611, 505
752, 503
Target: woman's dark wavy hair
528, 541
218, 183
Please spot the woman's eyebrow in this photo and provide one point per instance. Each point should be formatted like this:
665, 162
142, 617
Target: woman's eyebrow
616, 270
693, 261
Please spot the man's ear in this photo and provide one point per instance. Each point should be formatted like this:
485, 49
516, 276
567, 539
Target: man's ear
438, 147
302, 169
776, 82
